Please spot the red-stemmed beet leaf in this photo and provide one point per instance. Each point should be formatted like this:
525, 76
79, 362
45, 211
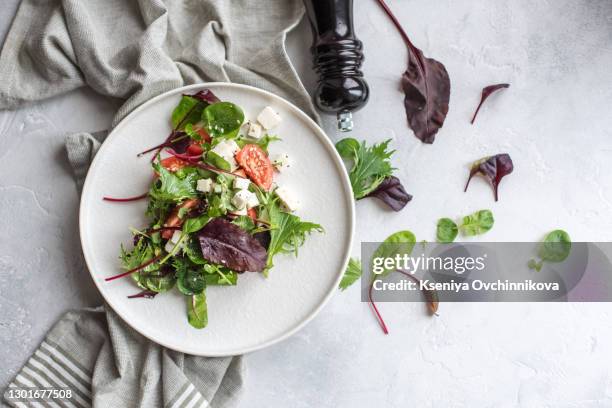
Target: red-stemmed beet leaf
392, 192
431, 299
486, 92
136, 269
426, 86
147, 294
206, 96
126, 199
493, 168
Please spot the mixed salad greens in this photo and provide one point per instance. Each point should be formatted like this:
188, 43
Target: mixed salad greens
214, 209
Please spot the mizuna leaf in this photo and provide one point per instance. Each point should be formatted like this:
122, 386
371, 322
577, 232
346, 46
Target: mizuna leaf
426, 86
486, 92
224, 243
392, 193
352, 273
493, 168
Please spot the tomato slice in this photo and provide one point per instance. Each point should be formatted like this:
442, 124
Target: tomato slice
252, 212
194, 149
256, 165
173, 164
174, 220
240, 173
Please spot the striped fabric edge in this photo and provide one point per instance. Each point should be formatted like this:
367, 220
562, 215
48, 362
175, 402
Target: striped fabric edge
51, 367
188, 397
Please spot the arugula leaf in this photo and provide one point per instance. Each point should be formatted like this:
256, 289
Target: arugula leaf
399, 243
287, 232
169, 187
141, 253
371, 165
150, 277
222, 119
352, 273
477, 223
446, 230
197, 311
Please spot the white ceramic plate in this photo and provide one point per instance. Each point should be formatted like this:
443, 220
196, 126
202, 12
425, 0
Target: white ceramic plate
257, 312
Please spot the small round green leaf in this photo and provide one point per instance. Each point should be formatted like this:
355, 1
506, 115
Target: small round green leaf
556, 246
446, 230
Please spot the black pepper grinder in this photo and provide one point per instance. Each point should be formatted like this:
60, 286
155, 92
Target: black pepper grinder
337, 56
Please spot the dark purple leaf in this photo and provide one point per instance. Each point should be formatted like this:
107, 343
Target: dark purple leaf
392, 193
227, 244
206, 95
493, 168
427, 95
426, 86
179, 143
486, 92
264, 238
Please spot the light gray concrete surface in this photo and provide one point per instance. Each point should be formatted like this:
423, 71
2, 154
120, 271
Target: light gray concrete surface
556, 123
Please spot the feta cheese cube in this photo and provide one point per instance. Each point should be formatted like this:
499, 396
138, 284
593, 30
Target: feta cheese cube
171, 244
204, 185
227, 149
255, 130
289, 200
245, 199
281, 162
240, 199
252, 200
241, 183
268, 118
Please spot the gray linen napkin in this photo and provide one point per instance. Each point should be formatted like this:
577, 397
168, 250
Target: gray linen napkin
134, 50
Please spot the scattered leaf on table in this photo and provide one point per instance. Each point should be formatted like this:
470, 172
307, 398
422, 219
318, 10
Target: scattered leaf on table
392, 192
556, 246
352, 273
486, 92
426, 86
446, 230
477, 223
493, 168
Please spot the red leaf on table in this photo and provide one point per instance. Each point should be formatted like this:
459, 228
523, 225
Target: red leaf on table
486, 92
493, 168
426, 86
